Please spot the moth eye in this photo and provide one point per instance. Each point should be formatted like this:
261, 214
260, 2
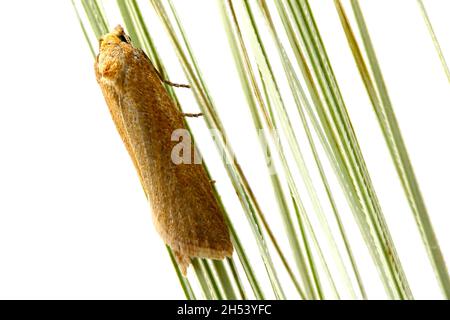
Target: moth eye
123, 38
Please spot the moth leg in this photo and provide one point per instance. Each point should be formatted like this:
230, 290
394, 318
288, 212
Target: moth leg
160, 75
193, 115
172, 84
177, 85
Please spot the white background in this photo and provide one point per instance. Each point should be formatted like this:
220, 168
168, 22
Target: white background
74, 222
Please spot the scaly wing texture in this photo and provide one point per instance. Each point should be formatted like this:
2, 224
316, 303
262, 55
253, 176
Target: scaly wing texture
185, 210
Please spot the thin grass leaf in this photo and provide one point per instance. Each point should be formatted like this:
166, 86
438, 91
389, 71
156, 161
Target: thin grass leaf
433, 36
300, 212
224, 280
337, 119
324, 132
83, 29
234, 271
211, 279
265, 111
342, 139
305, 226
130, 22
96, 17
311, 280
302, 102
203, 280
383, 108
249, 85
302, 217
250, 274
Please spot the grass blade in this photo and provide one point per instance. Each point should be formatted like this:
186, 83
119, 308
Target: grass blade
83, 29
382, 105
96, 17
342, 139
437, 46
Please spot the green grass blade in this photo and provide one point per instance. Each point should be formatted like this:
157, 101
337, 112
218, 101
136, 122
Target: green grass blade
386, 257
224, 280
352, 169
250, 274
83, 29
250, 86
437, 46
301, 100
212, 280
96, 17
286, 125
391, 131
306, 230
203, 279
234, 271
130, 22
324, 134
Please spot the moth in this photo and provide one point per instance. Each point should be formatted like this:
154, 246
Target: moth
185, 210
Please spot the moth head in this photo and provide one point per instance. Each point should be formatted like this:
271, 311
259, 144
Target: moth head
115, 37
111, 58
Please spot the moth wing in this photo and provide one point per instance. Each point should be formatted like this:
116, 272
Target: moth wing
186, 212
188, 216
185, 209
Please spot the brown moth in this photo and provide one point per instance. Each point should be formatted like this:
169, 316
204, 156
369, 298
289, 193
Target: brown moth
185, 211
